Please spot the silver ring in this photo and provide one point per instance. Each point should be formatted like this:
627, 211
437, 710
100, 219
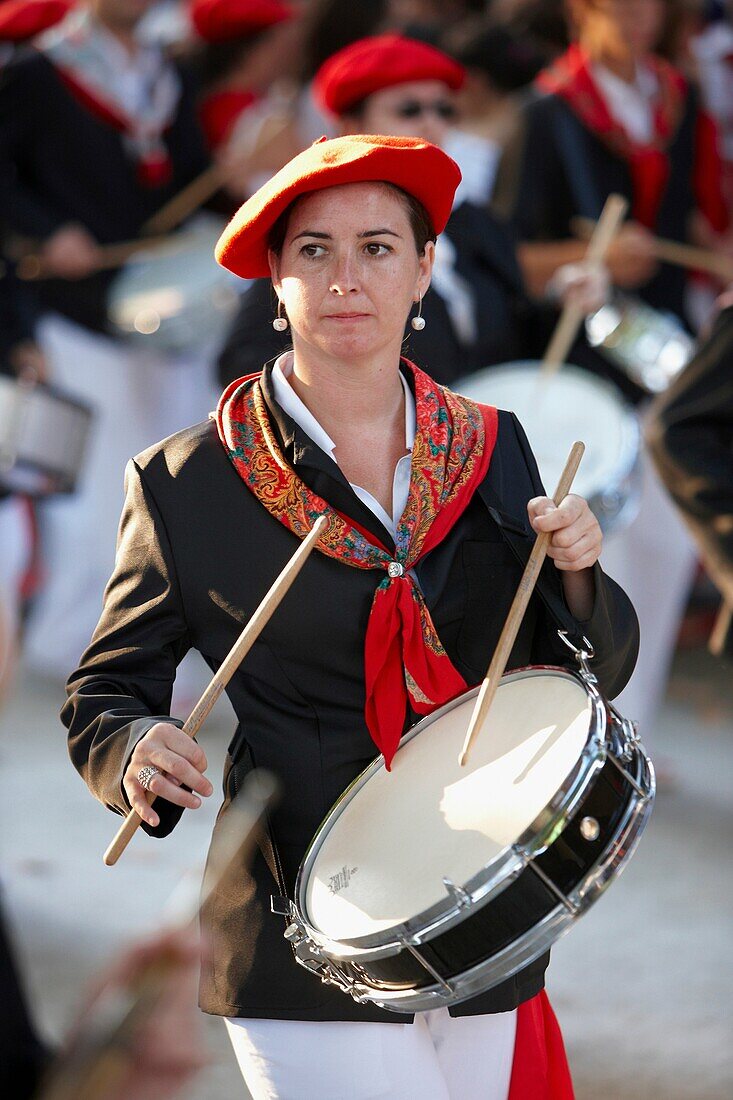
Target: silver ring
145, 775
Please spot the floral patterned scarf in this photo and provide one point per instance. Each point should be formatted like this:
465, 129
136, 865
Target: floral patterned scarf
454, 441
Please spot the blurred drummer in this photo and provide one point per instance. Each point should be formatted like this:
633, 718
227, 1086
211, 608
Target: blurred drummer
398, 610
478, 309
614, 117
97, 132
244, 53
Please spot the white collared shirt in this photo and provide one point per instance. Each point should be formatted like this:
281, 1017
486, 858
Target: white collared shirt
630, 104
290, 403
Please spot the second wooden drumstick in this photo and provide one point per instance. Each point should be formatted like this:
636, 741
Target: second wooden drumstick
231, 663
491, 681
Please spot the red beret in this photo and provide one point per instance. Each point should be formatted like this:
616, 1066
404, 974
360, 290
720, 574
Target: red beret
23, 19
382, 61
421, 169
223, 20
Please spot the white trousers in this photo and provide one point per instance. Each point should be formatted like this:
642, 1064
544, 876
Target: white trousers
138, 397
654, 562
435, 1058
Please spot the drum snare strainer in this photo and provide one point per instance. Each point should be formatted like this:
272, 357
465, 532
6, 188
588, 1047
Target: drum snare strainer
432, 883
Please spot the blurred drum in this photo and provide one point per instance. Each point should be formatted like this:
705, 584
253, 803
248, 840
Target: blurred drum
650, 347
573, 404
43, 436
175, 296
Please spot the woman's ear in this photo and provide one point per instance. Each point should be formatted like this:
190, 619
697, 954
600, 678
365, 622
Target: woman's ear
425, 265
274, 261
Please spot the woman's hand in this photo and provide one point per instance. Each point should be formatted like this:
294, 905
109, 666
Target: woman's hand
574, 546
181, 762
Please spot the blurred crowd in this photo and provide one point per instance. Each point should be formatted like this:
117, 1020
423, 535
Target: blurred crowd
130, 130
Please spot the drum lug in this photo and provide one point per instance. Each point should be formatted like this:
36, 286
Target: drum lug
459, 895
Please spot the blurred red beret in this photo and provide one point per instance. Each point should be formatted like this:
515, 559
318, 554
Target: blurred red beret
416, 166
381, 61
222, 20
22, 19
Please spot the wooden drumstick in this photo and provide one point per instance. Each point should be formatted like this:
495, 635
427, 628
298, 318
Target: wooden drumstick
673, 252
234, 658
491, 681
572, 316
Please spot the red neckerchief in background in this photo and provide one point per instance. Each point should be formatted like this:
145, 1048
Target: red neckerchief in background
86, 58
571, 79
454, 441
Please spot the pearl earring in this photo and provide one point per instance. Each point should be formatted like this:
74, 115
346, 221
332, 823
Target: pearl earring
280, 323
418, 323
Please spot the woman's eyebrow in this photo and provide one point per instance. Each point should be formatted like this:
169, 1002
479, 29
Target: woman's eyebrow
327, 236
379, 233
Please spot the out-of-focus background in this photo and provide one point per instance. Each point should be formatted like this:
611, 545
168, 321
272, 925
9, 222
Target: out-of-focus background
130, 130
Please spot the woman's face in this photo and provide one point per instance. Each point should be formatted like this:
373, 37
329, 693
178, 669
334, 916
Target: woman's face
635, 25
349, 271
422, 109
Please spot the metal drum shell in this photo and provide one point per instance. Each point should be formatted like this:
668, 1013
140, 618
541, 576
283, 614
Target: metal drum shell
383, 968
43, 437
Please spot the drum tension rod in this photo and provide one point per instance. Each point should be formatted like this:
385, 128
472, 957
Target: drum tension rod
644, 795
447, 987
553, 888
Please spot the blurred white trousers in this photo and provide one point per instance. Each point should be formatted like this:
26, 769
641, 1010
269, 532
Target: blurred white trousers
435, 1058
654, 560
138, 397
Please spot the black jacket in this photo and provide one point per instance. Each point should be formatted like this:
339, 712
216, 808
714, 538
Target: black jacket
196, 554
690, 435
557, 169
59, 164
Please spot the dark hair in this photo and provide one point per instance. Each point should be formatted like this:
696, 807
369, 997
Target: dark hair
420, 223
506, 59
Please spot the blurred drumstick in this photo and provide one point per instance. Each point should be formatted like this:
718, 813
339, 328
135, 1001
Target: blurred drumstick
100, 1055
673, 252
199, 190
572, 316
31, 266
231, 663
491, 681
721, 628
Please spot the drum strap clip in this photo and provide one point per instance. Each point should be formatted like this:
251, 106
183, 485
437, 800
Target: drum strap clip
583, 652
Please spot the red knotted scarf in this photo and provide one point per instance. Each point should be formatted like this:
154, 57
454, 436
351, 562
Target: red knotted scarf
454, 441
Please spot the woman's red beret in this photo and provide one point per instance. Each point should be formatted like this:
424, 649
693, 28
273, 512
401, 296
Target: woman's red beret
223, 20
417, 167
371, 64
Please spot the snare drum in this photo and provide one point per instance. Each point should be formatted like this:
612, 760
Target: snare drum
432, 883
43, 438
650, 347
573, 404
175, 296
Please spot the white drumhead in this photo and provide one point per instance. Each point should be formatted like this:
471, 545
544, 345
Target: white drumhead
573, 404
383, 859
